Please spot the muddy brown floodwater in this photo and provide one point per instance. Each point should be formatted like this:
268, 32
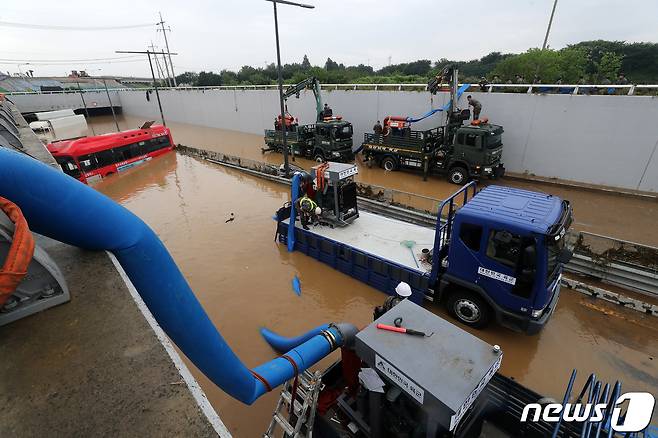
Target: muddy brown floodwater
622, 217
243, 280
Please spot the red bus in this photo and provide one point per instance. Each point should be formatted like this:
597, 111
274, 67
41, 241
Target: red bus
90, 159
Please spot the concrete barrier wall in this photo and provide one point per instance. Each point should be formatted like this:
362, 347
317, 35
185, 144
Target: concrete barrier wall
32, 103
604, 140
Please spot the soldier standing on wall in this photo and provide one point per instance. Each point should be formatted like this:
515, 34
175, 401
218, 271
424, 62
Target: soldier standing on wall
477, 107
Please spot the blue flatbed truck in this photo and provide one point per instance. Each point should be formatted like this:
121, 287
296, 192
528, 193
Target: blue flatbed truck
497, 254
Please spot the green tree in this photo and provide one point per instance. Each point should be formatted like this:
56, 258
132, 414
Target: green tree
543, 63
572, 64
207, 79
306, 64
609, 66
187, 78
330, 65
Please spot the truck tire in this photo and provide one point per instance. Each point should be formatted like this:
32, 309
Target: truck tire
469, 308
458, 175
389, 164
319, 157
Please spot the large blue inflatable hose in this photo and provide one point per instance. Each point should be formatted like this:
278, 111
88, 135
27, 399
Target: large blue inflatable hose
62, 208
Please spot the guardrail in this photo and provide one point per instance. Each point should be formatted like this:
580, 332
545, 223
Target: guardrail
570, 89
626, 264
615, 261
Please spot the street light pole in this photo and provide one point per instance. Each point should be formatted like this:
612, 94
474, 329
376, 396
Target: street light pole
286, 164
550, 22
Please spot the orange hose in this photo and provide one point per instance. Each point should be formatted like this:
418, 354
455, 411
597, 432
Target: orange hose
319, 175
20, 252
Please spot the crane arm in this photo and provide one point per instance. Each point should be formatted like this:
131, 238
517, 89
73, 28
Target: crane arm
308, 83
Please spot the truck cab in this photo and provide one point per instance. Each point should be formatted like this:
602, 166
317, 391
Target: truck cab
501, 256
333, 141
475, 152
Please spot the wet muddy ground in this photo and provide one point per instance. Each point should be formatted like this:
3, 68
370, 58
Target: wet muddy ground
622, 217
243, 279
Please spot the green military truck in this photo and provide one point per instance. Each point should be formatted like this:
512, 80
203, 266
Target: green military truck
465, 152
461, 151
328, 139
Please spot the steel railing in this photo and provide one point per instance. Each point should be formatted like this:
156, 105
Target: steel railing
567, 89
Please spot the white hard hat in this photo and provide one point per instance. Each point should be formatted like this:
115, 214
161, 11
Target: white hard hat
318, 211
403, 289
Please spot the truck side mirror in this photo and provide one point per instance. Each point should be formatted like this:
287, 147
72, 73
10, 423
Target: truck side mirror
564, 256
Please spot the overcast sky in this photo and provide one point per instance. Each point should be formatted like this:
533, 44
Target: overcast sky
218, 34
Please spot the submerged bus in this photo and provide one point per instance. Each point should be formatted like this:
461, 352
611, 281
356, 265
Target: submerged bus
91, 159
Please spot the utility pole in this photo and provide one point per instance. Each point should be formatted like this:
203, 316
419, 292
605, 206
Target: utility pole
158, 69
286, 165
550, 22
148, 53
164, 32
114, 116
84, 104
169, 81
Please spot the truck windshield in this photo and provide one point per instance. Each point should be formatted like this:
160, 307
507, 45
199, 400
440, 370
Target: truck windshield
343, 132
69, 166
553, 247
494, 141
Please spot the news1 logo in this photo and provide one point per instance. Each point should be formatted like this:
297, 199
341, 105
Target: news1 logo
637, 417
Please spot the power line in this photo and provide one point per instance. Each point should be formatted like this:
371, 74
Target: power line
72, 62
113, 58
80, 28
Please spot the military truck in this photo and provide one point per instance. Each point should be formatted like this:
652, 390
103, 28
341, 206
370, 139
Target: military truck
462, 151
328, 139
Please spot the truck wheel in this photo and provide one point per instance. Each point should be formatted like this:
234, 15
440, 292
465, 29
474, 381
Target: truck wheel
389, 164
319, 157
458, 175
469, 308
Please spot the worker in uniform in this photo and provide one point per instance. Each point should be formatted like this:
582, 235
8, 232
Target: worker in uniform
308, 211
402, 291
306, 186
327, 112
477, 107
378, 128
483, 84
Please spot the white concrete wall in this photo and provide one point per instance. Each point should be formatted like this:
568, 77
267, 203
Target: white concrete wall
33, 102
605, 140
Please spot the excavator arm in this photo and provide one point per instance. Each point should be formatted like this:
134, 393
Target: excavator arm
308, 83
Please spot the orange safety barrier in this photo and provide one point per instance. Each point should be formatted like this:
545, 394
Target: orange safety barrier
20, 253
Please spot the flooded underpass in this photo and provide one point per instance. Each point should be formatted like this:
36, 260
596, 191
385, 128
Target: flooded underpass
628, 218
243, 278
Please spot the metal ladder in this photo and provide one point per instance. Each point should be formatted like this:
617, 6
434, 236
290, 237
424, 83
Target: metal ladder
305, 404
